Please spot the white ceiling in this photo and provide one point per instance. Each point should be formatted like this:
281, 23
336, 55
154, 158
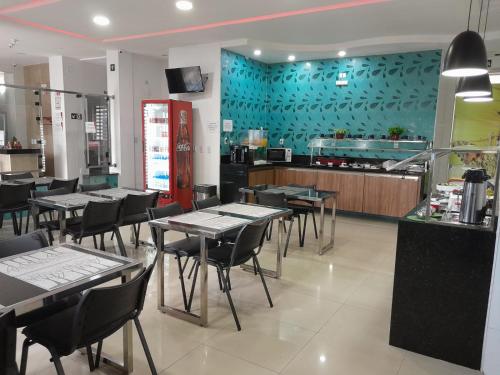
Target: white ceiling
383, 27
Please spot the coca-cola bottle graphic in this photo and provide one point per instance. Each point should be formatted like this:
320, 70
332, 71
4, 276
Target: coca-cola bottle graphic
183, 152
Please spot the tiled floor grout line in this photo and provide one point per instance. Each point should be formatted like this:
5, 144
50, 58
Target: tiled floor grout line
182, 357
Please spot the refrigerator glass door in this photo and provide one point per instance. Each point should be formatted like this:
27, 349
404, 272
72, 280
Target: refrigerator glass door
157, 146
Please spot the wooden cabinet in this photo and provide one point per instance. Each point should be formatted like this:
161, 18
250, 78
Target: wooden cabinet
286, 176
261, 176
390, 195
348, 185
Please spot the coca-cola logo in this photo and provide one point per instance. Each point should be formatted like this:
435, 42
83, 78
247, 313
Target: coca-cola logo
183, 147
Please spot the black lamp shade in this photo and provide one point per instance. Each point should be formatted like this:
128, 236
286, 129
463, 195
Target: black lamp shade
466, 56
474, 86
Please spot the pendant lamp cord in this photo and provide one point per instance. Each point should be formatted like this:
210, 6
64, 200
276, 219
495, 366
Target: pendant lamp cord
480, 17
470, 9
486, 20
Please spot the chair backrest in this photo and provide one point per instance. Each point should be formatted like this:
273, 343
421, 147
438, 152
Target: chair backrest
250, 237
206, 203
171, 209
48, 193
271, 199
16, 176
103, 311
69, 185
11, 195
101, 215
134, 204
22, 244
84, 188
8, 364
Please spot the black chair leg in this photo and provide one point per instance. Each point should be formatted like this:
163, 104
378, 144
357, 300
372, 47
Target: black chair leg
98, 354
145, 346
181, 278
314, 223
269, 232
20, 227
137, 235
14, 223
24, 356
101, 244
27, 222
228, 279
304, 231
263, 281
95, 242
112, 236
192, 269
228, 294
121, 246
193, 285
51, 237
300, 229
220, 281
288, 237
254, 267
90, 358
80, 240
185, 264
57, 362
1, 221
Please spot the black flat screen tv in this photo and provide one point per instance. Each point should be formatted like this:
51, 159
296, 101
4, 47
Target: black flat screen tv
185, 80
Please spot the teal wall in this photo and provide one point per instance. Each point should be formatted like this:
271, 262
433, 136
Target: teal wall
299, 102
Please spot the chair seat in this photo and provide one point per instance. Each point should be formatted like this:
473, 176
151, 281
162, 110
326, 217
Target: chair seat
135, 219
54, 224
300, 209
54, 331
75, 229
14, 208
187, 247
46, 311
221, 256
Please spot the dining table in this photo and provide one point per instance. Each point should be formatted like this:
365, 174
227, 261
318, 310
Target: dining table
41, 276
308, 195
212, 223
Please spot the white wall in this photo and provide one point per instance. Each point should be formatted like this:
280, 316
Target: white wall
206, 108
135, 78
13, 104
72, 75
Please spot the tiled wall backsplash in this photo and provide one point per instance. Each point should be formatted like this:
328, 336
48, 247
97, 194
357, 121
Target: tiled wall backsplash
300, 101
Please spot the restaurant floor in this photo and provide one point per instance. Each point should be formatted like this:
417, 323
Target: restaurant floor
331, 316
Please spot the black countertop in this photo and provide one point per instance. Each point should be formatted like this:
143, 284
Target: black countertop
14, 151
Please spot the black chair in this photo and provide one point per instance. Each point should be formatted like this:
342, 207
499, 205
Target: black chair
69, 185
279, 200
206, 203
85, 188
187, 247
50, 224
98, 218
8, 365
134, 211
16, 176
100, 313
13, 200
227, 256
22, 244
306, 207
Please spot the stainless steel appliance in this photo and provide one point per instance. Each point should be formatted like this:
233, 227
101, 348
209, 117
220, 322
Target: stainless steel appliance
240, 154
279, 155
204, 191
473, 206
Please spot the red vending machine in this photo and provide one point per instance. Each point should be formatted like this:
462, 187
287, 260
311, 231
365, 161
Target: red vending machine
167, 128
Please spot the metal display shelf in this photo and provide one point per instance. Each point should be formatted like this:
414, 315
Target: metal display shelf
357, 144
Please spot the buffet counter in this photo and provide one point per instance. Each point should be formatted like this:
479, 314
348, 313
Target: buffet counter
19, 160
441, 289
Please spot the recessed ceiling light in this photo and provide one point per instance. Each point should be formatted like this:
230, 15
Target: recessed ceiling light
291, 58
257, 52
101, 20
341, 53
184, 5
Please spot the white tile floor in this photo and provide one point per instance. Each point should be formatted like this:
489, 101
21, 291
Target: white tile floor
331, 316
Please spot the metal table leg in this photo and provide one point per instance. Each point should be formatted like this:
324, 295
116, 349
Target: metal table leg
201, 319
323, 248
62, 226
128, 346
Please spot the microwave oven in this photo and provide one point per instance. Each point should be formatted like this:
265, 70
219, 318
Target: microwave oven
279, 155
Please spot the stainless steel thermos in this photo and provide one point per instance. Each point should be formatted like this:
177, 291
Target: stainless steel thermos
473, 207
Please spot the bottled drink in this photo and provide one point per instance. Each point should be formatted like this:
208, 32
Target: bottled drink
183, 152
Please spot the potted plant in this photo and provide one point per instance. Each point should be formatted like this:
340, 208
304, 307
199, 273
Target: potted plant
340, 133
395, 132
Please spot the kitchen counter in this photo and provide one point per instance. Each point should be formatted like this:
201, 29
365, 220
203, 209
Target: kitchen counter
19, 160
14, 151
441, 290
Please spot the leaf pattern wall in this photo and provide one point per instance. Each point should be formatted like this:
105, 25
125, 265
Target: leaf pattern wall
298, 101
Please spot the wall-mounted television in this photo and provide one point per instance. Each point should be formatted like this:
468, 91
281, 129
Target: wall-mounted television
184, 80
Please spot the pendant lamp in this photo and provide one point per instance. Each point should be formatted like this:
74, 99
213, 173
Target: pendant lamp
466, 55
474, 86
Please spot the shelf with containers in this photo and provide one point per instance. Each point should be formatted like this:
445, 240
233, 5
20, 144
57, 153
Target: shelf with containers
443, 204
317, 145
